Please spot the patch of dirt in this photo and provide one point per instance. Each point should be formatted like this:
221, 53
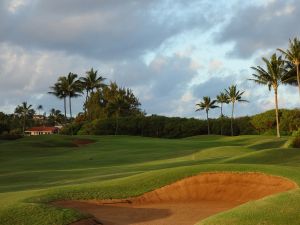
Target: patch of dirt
184, 202
82, 142
89, 221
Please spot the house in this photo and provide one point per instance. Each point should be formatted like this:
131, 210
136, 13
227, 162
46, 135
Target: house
41, 131
39, 117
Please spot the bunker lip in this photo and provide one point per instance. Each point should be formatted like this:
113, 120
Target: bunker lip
184, 202
82, 142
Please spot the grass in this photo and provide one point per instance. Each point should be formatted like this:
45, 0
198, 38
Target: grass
37, 170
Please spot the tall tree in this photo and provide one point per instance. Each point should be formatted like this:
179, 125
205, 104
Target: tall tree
59, 90
116, 105
71, 86
55, 116
206, 105
234, 96
39, 108
272, 75
24, 110
222, 98
90, 83
293, 55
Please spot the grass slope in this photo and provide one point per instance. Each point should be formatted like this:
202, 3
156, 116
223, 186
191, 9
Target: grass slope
37, 170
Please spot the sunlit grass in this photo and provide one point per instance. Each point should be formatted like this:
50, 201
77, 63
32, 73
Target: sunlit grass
37, 170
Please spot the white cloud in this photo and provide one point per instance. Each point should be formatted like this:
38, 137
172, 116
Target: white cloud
165, 52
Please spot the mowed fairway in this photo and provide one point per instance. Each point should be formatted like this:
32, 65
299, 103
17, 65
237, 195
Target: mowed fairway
37, 170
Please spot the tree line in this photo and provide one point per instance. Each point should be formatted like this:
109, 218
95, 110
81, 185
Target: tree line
277, 70
107, 103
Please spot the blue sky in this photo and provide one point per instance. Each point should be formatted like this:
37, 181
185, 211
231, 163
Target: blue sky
169, 52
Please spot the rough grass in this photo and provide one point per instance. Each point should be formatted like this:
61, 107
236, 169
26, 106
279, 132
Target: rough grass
37, 170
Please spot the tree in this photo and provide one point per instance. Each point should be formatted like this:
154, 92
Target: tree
90, 82
74, 88
39, 108
293, 55
99, 103
116, 105
234, 96
222, 98
59, 90
207, 104
272, 76
55, 116
24, 110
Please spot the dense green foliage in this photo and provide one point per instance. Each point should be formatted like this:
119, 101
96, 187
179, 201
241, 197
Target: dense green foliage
266, 122
112, 101
37, 170
175, 127
165, 127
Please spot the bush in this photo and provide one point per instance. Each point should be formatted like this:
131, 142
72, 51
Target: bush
10, 137
165, 127
295, 142
265, 123
72, 128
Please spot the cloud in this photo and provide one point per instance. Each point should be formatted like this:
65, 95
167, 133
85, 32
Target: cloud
106, 30
26, 75
261, 27
159, 84
171, 53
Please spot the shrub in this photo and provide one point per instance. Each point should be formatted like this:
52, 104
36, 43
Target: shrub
72, 128
295, 142
10, 137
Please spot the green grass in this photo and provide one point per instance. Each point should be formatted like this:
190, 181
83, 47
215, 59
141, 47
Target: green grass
37, 170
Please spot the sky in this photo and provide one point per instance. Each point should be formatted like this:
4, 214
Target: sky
171, 53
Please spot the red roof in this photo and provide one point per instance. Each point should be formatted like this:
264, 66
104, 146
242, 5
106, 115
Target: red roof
51, 129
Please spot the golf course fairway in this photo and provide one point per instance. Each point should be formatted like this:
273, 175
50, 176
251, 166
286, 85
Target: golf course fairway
41, 176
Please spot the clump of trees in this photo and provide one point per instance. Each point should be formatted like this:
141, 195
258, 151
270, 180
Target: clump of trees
164, 127
231, 95
101, 100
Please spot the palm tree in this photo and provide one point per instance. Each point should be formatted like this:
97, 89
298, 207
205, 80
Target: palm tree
39, 108
56, 116
272, 76
24, 110
222, 98
74, 88
59, 90
207, 104
91, 82
234, 96
293, 55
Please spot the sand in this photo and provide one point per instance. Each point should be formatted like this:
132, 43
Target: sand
184, 202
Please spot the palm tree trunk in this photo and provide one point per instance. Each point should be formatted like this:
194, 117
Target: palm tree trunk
117, 123
24, 124
65, 109
277, 115
221, 118
70, 105
208, 131
298, 78
86, 99
232, 119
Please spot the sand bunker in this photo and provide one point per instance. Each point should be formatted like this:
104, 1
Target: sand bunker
82, 142
184, 202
